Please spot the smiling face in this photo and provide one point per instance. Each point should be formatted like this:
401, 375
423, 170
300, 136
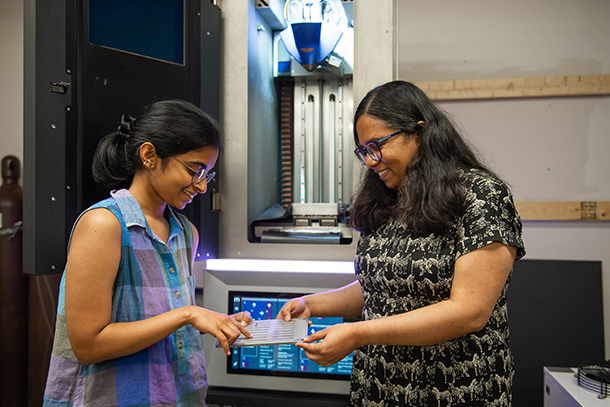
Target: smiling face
396, 153
169, 181
176, 186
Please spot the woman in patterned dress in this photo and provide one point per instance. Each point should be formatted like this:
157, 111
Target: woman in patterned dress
439, 236
128, 331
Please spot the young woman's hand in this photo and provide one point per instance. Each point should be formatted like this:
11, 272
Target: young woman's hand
244, 318
225, 328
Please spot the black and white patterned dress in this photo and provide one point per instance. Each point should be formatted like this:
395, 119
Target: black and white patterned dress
399, 273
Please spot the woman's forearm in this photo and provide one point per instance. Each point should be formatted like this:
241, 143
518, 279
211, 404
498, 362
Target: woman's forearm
421, 327
346, 301
125, 338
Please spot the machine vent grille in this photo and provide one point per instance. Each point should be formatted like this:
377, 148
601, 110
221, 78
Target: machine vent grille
286, 143
595, 378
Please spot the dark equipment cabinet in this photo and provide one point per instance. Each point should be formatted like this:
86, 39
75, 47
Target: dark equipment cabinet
75, 93
555, 317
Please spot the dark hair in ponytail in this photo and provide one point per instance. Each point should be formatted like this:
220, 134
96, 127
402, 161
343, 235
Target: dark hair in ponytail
174, 127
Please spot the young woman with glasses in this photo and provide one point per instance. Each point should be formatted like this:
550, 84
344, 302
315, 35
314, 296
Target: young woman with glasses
439, 235
128, 331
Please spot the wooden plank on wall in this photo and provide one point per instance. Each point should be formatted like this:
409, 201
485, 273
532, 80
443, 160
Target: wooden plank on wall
546, 86
586, 210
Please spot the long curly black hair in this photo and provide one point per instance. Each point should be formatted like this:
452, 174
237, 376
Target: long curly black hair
432, 196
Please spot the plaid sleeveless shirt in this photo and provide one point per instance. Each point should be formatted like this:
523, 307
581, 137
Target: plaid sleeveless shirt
153, 277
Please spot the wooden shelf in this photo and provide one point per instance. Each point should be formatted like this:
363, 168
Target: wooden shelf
546, 86
586, 210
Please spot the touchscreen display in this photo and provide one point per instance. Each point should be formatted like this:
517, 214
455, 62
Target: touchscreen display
280, 360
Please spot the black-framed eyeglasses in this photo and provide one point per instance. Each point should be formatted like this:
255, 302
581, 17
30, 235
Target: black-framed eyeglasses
198, 175
372, 148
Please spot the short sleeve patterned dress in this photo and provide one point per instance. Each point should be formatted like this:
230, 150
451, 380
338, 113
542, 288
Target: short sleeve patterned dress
399, 273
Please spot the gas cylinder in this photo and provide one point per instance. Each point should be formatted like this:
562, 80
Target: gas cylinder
13, 289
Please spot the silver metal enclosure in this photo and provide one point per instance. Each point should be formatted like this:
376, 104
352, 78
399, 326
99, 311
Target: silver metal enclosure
324, 169
249, 166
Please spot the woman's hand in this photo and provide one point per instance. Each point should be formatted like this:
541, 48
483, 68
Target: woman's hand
337, 342
295, 308
225, 328
244, 318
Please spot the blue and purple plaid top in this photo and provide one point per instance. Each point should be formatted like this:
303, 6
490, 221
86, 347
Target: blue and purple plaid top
153, 278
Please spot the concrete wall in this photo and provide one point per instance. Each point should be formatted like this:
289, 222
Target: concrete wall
548, 149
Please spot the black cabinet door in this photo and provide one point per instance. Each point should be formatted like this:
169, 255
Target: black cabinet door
87, 63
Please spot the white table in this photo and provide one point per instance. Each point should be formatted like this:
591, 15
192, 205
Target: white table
561, 389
